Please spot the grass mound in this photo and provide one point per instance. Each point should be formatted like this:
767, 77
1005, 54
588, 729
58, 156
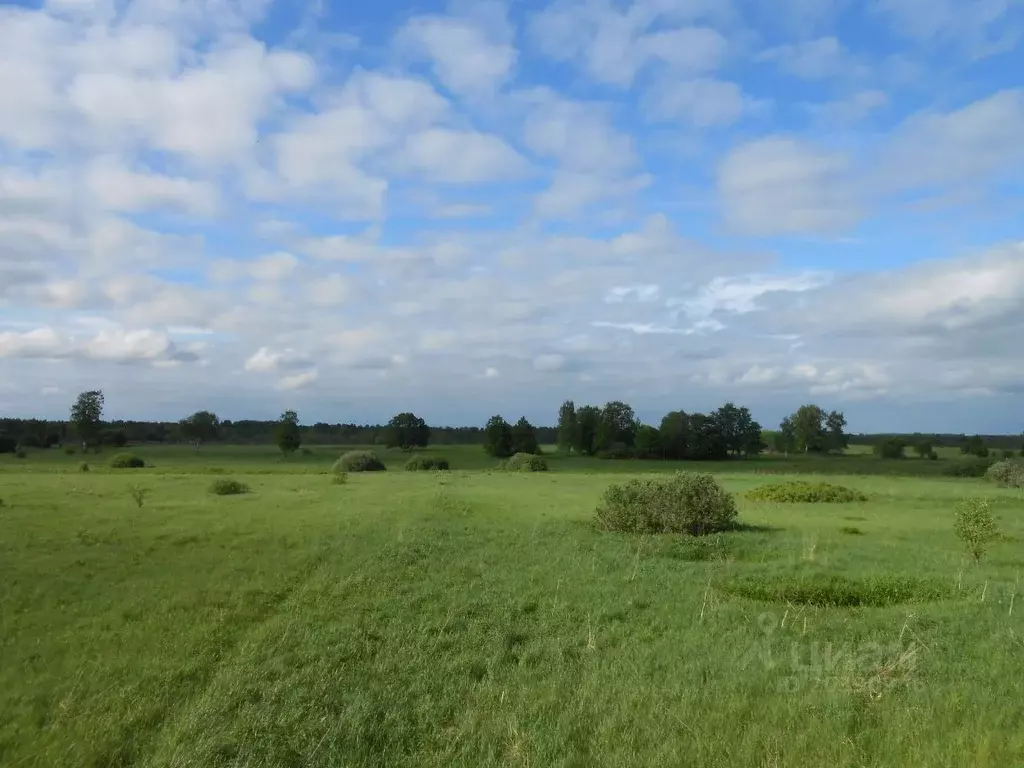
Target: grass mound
228, 487
426, 463
802, 492
686, 502
127, 461
1007, 474
525, 462
359, 461
833, 591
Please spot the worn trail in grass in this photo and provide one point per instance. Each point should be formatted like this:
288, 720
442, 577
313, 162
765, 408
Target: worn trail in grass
478, 619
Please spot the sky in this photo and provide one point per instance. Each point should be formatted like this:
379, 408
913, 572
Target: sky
354, 209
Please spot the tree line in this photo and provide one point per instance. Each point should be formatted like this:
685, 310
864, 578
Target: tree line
609, 431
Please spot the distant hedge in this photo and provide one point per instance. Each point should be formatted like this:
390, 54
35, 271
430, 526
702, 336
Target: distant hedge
801, 492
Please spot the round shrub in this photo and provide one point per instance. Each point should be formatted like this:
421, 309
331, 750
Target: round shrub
1007, 474
359, 461
525, 462
21, 453
228, 487
426, 463
127, 461
686, 502
340, 478
70, 450
971, 467
83, 467
801, 492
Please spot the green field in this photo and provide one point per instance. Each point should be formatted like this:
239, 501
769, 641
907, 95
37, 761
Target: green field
477, 618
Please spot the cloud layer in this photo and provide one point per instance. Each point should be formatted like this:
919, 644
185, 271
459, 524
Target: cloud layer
483, 207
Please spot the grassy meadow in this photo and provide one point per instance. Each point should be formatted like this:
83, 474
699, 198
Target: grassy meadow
477, 618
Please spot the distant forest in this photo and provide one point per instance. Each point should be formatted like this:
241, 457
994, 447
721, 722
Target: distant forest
43, 433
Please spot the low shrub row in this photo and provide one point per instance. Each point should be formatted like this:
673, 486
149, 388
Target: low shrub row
802, 492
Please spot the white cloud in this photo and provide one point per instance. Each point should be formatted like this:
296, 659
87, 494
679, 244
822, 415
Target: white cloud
298, 380
817, 59
459, 157
781, 185
266, 360
115, 187
109, 345
704, 103
467, 57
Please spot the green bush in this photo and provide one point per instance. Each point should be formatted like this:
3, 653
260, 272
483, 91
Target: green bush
890, 448
228, 487
975, 526
71, 450
801, 492
972, 467
1007, 474
617, 451
8, 444
83, 467
359, 461
127, 461
21, 453
525, 462
686, 502
426, 463
340, 478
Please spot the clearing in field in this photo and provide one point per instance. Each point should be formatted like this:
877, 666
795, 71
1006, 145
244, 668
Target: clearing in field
227, 608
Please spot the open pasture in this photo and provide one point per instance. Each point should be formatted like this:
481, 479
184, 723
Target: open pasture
478, 618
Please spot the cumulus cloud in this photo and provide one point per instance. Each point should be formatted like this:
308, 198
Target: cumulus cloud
588, 199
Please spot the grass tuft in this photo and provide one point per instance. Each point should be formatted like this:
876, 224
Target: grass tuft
228, 487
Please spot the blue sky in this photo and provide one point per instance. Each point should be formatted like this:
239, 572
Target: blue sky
477, 207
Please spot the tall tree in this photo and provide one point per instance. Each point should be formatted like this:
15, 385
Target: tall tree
809, 430
784, 441
674, 435
728, 419
588, 419
567, 427
498, 437
288, 434
200, 427
836, 440
616, 425
706, 440
406, 431
647, 442
87, 416
524, 437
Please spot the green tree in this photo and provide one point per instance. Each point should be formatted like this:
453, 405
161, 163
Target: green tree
784, 441
567, 427
616, 425
706, 440
406, 431
890, 448
674, 435
87, 416
498, 437
975, 446
808, 429
923, 449
524, 437
836, 440
200, 427
588, 419
975, 526
647, 445
288, 434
